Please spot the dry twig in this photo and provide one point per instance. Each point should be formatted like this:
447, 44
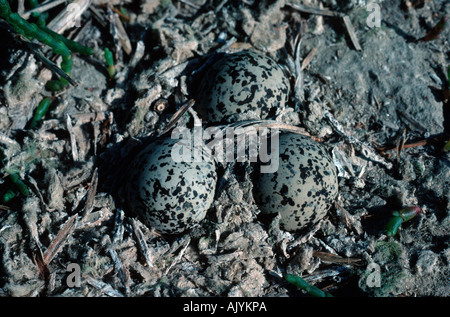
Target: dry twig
118, 226
309, 58
298, 87
70, 16
103, 287
333, 258
90, 196
73, 141
122, 35
42, 8
120, 268
60, 239
186, 242
146, 252
176, 117
351, 32
348, 24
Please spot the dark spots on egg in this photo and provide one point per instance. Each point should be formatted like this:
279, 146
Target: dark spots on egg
303, 188
158, 190
284, 190
287, 201
177, 191
239, 83
169, 196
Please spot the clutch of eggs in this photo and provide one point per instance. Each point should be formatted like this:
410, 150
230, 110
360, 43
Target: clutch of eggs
305, 184
172, 196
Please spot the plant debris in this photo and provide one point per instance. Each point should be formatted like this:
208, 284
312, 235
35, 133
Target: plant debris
361, 91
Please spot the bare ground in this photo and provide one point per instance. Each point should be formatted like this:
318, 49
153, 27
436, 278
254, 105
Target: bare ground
361, 104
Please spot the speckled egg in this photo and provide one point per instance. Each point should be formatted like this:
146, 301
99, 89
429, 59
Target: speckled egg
304, 186
169, 195
239, 83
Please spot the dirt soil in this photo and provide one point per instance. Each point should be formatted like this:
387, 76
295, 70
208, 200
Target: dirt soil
380, 110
